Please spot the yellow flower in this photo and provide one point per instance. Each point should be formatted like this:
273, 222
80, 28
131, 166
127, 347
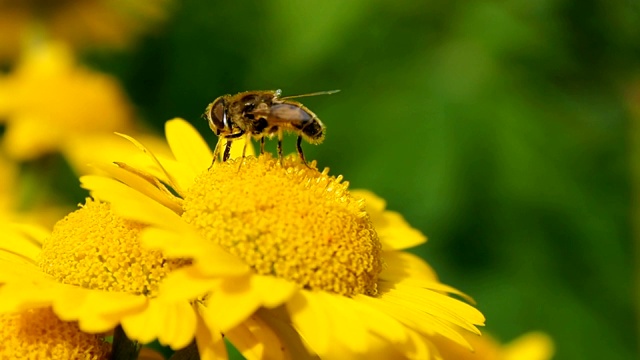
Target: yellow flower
91, 269
48, 100
324, 275
83, 23
8, 186
530, 346
39, 334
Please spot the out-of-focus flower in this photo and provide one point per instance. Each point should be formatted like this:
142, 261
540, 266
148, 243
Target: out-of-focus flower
42, 211
8, 186
81, 23
49, 100
324, 273
39, 334
530, 346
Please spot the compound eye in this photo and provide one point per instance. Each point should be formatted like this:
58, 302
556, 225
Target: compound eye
217, 115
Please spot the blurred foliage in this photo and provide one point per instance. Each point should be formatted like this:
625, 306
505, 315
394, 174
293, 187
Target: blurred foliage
500, 129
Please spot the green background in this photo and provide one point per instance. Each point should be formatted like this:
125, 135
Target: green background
501, 129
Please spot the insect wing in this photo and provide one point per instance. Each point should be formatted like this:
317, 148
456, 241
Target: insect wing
285, 113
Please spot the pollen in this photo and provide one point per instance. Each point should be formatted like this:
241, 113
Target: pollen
39, 334
288, 221
94, 248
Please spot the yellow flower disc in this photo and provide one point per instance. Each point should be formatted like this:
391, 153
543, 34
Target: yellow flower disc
39, 334
96, 249
288, 221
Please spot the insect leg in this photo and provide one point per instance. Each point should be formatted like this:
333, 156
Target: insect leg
280, 146
216, 152
235, 136
227, 151
262, 145
299, 148
246, 141
244, 150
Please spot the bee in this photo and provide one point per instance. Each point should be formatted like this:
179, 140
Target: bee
260, 114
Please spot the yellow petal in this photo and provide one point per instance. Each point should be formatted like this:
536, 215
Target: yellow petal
172, 323
311, 320
16, 297
96, 311
130, 203
208, 337
179, 325
436, 304
231, 303
418, 320
171, 179
255, 340
271, 290
99, 149
238, 298
407, 269
346, 323
16, 270
210, 259
185, 284
419, 347
181, 172
394, 231
36, 233
403, 266
374, 203
17, 240
278, 321
187, 145
378, 322
144, 183
15, 267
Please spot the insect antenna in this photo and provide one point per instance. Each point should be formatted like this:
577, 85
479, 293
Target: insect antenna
329, 92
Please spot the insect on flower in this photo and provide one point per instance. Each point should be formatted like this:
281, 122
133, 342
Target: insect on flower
260, 114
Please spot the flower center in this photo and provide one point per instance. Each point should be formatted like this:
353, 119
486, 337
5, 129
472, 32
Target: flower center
39, 334
96, 249
288, 221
